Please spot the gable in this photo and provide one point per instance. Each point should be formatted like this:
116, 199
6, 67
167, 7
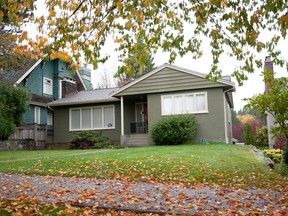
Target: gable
169, 79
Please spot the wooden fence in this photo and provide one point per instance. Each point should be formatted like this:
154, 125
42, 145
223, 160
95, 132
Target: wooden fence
38, 133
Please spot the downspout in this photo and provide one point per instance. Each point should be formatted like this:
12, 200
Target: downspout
225, 117
122, 139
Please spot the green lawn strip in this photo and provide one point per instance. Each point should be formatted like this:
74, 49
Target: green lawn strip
220, 164
12, 155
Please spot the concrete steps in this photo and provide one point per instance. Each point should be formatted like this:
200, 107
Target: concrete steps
134, 140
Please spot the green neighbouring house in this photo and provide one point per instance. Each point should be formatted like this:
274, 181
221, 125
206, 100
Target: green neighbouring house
125, 114
47, 81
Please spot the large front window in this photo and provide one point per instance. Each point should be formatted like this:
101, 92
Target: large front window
92, 118
186, 103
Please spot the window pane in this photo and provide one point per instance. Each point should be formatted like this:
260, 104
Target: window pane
178, 105
47, 89
49, 118
201, 102
86, 118
108, 117
167, 105
189, 103
97, 118
75, 119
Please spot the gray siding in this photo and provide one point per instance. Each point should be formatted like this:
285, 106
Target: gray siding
61, 124
211, 124
168, 80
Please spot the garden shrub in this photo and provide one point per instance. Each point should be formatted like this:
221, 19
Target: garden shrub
274, 154
280, 142
14, 103
262, 138
174, 130
89, 140
248, 135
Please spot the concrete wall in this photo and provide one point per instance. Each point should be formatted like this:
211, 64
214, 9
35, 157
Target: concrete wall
9, 145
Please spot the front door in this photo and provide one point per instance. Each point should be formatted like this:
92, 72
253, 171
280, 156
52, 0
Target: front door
141, 117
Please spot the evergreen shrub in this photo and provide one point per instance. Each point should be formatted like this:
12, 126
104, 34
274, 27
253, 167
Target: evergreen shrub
89, 140
174, 129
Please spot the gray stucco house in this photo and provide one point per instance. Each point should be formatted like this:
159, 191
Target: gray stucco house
126, 114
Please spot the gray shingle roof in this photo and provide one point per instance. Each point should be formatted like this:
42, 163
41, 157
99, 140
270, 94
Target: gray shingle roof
13, 76
84, 97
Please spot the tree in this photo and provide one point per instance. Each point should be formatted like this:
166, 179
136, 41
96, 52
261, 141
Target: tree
275, 103
248, 135
132, 68
14, 102
11, 15
232, 27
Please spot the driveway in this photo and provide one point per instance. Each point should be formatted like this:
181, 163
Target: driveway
144, 197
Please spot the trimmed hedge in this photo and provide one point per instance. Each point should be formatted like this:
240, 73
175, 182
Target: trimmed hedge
89, 140
174, 130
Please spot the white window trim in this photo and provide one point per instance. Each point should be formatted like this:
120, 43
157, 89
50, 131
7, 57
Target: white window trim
183, 95
91, 108
44, 79
51, 116
35, 115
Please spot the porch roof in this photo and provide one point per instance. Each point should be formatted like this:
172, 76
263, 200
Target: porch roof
85, 97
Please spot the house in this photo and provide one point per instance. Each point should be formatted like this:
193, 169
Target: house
126, 114
47, 81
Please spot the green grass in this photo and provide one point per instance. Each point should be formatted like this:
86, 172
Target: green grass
220, 164
12, 155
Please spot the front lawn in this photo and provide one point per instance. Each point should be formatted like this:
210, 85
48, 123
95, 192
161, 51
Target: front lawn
220, 164
12, 155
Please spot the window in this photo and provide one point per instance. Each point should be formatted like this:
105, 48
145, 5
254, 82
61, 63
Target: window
47, 86
37, 115
92, 118
49, 118
184, 103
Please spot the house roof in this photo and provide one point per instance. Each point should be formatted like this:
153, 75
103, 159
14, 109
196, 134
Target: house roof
223, 82
14, 76
85, 97
40, 100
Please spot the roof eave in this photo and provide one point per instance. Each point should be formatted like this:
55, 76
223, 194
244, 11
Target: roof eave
28, 71
81, 102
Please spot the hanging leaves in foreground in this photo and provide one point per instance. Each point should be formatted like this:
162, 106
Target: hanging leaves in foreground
82, 28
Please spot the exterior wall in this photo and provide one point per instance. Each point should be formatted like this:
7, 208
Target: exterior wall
211, 125
28, 117
169, 80
61, 124
86, 76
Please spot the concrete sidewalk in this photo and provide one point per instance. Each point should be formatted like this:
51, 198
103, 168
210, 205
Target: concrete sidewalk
142, 197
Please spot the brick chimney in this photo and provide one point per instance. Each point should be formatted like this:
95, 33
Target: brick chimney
68, 87
268, 65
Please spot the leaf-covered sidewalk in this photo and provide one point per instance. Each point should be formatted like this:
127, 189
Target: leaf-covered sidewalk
144, 197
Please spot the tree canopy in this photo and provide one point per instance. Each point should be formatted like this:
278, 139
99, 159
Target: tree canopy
274, 102
81, 28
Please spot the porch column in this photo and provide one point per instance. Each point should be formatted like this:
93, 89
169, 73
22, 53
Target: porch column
122, 138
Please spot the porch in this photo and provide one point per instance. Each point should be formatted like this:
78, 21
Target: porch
134, 121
